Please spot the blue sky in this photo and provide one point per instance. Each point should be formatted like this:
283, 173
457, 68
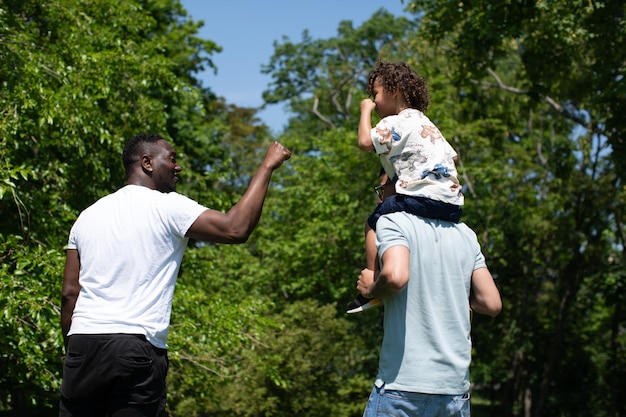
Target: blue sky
247, 29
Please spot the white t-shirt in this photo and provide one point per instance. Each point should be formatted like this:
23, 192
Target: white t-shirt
130, 245
412, 148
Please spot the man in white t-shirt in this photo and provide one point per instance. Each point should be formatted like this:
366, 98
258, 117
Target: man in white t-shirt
123, 257
432, 272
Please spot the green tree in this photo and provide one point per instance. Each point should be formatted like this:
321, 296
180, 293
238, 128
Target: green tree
554, 212
256, 326
320, 80
294, 277
79, 78
571, 54
543, 194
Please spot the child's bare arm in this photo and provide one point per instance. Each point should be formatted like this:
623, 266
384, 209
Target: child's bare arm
365, 125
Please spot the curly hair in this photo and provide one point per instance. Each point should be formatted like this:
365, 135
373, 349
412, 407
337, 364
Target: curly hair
134, 147
400, 77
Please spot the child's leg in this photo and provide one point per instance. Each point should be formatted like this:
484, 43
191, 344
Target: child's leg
371, 262
371, 254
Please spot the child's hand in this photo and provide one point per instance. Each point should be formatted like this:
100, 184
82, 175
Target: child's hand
367, 106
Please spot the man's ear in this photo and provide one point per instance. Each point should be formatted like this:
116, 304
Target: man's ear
146, 163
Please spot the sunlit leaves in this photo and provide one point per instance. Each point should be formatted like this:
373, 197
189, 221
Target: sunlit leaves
78, 79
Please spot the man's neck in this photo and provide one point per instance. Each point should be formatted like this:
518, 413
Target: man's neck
141, 182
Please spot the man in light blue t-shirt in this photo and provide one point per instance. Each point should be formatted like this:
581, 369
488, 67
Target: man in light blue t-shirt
432, 273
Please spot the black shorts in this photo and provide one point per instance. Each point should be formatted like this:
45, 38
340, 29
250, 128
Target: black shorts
113, 375
420, 206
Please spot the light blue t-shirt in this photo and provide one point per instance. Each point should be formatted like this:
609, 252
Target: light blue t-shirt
427, 346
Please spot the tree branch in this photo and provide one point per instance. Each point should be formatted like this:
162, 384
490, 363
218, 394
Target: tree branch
563, 111
466, 179
316, 112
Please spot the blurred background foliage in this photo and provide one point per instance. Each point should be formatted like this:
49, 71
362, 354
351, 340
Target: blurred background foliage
531, 94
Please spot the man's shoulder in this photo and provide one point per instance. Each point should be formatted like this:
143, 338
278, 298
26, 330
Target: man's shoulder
131, 194
402, 217
130, 191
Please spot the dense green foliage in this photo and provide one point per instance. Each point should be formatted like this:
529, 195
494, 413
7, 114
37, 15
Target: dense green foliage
531, 94
547, 80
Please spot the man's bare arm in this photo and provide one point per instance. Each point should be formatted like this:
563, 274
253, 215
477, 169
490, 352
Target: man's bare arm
484, 295
237, 224
391, 279
69, 291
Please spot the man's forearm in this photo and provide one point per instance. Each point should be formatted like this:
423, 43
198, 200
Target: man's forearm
383, 287
394, 274
67, 309
247, 212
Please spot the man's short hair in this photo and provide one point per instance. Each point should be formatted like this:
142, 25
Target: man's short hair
134, 148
